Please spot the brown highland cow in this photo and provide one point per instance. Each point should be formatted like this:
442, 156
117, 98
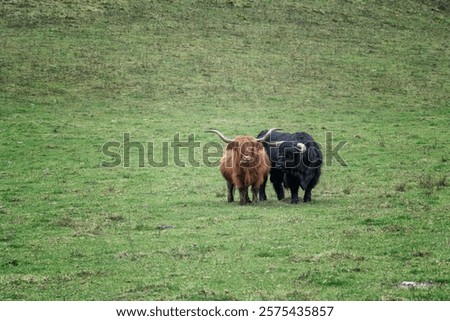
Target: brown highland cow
244, 163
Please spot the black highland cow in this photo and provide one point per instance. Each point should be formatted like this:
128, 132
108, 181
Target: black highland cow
296, 161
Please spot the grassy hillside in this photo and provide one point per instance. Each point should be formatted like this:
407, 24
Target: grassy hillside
75, 75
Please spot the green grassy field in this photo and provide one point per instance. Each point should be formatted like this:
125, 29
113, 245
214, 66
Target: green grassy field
75, 75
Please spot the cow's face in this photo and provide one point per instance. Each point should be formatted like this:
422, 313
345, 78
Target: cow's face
289, 156
244, 151
249, 152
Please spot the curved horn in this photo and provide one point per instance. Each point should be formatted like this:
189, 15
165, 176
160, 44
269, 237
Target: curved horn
275, 144
267, 135
301, 147
225, 139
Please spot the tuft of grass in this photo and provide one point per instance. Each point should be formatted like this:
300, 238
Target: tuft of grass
400, 187
430, 183
347, 190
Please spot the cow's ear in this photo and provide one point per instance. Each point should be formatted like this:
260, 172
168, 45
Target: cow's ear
232, 145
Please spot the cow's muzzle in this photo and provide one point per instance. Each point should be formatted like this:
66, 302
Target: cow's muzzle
246, 160
280, 165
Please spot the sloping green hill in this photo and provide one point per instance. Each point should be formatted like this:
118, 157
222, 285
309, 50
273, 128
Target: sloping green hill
371, 76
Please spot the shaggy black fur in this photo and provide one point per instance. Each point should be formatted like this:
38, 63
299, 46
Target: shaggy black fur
291, 168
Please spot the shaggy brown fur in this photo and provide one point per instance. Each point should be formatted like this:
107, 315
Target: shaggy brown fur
244, 163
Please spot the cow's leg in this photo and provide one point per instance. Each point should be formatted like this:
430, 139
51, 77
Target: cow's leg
230, 191
262, 191
293, 186
279, 190
243, 196
314, 180
294, 194
307, 196
255, 191
276, 177
247, 198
